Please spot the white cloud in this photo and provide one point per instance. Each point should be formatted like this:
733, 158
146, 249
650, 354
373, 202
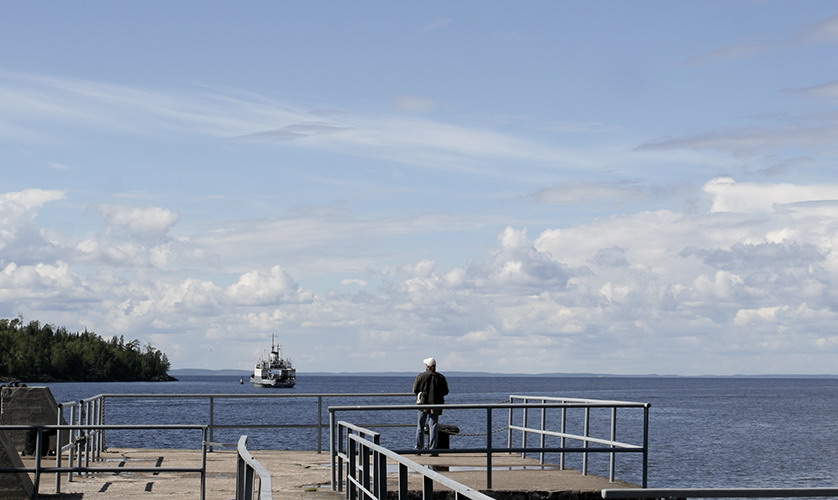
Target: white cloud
151, 222
650, 285
255, 288
40, 281
31, 101
22, 206
20, 238
731, 196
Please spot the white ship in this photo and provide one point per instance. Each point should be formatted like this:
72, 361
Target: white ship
274, 371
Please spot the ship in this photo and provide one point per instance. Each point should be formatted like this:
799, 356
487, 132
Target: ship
274, 371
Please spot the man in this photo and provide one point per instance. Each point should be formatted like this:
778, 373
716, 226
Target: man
434, 387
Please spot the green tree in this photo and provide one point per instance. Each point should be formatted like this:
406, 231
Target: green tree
38, 352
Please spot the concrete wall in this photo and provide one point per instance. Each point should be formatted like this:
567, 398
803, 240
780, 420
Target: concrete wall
27, 406
12, 486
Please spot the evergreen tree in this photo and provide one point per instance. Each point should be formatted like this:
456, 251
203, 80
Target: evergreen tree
35, 352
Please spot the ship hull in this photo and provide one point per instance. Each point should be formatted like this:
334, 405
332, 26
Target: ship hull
272, 383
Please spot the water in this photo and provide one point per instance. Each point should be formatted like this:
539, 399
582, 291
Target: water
704, 432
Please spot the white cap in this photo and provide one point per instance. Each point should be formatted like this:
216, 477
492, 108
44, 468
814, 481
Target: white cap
429, 362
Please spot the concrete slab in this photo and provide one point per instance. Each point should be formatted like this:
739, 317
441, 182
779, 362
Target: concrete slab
299, 475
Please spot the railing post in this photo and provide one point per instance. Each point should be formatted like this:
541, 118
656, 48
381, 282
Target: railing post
211, 421
333, 449
563, 440
319, 424
365, 465
427, 488
511, 400
524, 423
351, 470
88, 443
39, 442
58, 448
645, 445
543, 441
71, 434
403, 491
83, 435
94, 418
612, 466
102, 421
380, 475
203, 463
240, 471
585, 433
488, 448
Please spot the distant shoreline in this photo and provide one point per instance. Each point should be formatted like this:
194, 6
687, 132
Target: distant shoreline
198, 372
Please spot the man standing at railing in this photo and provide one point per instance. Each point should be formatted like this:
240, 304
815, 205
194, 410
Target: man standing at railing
430, 388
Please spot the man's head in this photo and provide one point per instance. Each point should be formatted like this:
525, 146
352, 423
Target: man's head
430, 363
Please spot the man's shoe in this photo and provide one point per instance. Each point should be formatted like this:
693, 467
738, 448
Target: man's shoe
434, 455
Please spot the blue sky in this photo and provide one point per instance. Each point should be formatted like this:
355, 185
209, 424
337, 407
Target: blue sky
622, 187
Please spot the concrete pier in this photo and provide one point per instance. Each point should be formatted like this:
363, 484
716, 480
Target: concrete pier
306, 475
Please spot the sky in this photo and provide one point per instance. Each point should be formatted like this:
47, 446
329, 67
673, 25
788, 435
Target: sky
513, 187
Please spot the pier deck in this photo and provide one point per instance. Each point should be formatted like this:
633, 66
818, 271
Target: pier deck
306, 475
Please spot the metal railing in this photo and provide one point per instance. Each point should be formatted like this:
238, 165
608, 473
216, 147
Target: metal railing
590, 444
83, 466
720, 493
366, 470
586, 406
84, 440
247, 469
94, 411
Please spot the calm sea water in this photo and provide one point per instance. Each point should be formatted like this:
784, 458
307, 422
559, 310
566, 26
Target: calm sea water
704, 432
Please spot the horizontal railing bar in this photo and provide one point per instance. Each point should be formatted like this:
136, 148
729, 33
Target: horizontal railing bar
50, 470
358, 428
720, 492
222, 445
574, 437
64, 427
252, 396
625, 404
295, 426
409, 451
475, 406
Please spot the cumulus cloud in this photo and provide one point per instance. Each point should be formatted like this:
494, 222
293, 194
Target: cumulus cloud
651, 285
20, 238
151, 222
39, 281
19, 208
255, 288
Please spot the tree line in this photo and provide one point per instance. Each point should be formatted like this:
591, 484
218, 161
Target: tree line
41, 353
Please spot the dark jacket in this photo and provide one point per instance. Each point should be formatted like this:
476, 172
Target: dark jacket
434, 385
